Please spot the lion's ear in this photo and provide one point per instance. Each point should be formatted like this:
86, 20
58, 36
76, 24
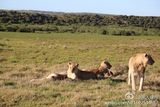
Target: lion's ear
77, 65
69, 63
146, 55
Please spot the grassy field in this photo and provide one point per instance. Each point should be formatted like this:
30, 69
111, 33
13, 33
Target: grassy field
25, 56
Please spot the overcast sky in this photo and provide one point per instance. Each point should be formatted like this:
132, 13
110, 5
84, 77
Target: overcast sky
118, 7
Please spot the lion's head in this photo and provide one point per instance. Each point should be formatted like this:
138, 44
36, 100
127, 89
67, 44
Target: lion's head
148, 59
105, 65
72, 68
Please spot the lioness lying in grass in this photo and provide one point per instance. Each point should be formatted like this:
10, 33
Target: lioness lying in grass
99, 73
74, 72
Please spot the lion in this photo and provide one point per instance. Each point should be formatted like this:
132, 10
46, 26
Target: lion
74, 72
103, 71
99, 73
137, 66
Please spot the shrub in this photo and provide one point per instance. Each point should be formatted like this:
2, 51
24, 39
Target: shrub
2, 28
12, 28
104, 32
53, 29
124, 33
62, 30
26, 29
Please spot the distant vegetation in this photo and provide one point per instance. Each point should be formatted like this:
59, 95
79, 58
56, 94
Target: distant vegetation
37, 21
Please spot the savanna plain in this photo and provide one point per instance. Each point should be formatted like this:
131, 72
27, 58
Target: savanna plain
27, 56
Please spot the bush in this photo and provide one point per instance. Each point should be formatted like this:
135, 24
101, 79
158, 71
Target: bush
66, 29
124, 33
114, 33
53, 29
26, 29
2, 28
12, 28
104, 32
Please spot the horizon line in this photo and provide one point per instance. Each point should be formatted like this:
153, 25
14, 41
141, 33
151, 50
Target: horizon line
78, 12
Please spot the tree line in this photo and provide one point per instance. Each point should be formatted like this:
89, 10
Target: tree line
66, 19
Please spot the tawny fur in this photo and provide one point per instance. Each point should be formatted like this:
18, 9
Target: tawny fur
57, 76
74, 72
137, 66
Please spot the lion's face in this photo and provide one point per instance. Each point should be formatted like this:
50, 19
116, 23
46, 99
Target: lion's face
106, 64
149, 59
73, 66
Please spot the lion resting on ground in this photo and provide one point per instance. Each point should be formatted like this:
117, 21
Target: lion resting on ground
74, 72
137, 66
